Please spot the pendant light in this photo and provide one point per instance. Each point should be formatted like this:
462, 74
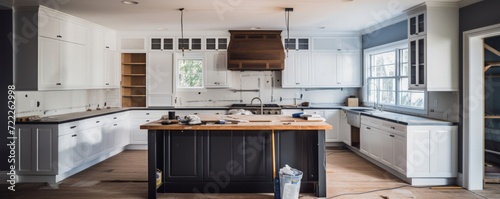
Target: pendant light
182, 30
287, 22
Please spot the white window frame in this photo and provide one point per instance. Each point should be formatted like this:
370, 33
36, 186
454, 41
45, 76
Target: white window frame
366, 59
188, 55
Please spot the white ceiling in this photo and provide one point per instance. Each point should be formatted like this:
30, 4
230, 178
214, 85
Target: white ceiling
308, 15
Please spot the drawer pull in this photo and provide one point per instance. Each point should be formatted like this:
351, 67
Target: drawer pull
368, 128
147, 113
114, 118
72, 127
97, 121
392, 135
147, 120
74, 135
115, 124
393, 127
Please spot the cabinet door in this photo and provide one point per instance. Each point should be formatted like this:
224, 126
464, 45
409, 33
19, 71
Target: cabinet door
92, 142
217, 74
399, 154
48, 71
111, 70
345, 129
303, 69
184, 158
324, 70
110, 41
417, 24
350, 44
376, 143
289, 73
72, 32
96, 60
365, 139
333, 118
160, 78
48, 26
387, 148
67, 146
121, 134
72, 65
349, 69
138, 136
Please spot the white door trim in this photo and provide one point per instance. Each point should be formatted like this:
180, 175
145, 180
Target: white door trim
473, 106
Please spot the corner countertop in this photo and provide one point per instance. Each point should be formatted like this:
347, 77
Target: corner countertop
408, 120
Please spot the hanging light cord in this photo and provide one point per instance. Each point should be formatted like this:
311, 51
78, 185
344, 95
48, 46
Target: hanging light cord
287, 22
182, 30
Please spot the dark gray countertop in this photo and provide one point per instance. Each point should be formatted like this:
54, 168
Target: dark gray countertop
405, 119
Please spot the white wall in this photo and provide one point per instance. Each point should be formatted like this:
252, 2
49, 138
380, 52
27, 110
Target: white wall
61, 102
262, 81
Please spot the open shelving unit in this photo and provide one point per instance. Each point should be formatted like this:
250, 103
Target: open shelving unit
133, 84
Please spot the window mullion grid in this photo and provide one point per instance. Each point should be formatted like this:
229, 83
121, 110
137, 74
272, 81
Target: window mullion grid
398, 73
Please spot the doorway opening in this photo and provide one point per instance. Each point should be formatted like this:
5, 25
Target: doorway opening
492, 110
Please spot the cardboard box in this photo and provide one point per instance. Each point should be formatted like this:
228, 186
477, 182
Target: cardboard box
352, 101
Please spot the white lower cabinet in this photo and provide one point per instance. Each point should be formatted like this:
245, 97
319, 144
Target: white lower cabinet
422, 155
345, 128
140, 117
62, 150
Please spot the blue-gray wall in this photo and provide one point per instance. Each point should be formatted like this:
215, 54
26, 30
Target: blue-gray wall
481, 14
385, 35
5, 80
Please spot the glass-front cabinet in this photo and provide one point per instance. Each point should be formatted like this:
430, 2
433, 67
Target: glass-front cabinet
162, 43
296, 43
417, 76
214, 43
417, 24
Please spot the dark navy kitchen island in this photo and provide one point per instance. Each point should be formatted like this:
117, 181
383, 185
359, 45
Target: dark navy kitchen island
235, 158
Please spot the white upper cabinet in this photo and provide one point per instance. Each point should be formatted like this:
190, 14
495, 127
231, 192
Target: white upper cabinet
331, 62
433, 47
61, 29
297, 72
217, 75
159, 78
189, 43
67, 53
61, 65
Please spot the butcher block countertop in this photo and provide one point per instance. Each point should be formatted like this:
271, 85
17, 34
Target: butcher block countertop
244, 122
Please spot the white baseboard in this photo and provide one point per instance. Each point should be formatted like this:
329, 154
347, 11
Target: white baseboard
136, 147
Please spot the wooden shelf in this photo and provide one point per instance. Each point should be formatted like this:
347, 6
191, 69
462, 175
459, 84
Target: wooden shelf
492, 116
133, 95
135, 75
134, 63
134, 86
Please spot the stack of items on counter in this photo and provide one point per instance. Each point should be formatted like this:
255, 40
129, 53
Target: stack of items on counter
309, 117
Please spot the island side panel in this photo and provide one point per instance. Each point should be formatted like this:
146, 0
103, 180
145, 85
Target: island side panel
152, 164
321, 192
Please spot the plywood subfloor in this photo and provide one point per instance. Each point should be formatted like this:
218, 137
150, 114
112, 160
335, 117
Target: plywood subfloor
124, 176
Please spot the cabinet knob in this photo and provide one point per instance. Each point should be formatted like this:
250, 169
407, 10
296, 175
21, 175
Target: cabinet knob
107, 84
115, 124
59, 36
297, 83
107, 47
114, 118
147, 113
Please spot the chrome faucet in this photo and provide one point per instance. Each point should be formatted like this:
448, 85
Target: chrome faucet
377, 105
261, 105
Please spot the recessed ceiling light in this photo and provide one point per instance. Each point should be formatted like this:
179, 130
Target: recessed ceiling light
254, 28
162, 28
130, 2
322, 27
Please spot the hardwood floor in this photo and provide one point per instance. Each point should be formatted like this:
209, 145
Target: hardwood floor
124, 176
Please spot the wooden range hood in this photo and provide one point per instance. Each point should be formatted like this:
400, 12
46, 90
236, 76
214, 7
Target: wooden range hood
255, 50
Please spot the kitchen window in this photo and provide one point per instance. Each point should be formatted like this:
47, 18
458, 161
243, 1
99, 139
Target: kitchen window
387, 77
189, 72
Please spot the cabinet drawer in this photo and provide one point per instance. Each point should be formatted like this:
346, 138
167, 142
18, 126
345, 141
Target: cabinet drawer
392, 127
70, 127
117, 117
156, 114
